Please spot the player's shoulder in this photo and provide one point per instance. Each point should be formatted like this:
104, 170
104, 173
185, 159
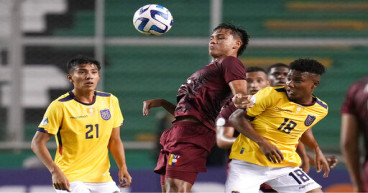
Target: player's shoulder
64, 98
106, 95
321, 103
103, 94
61, 100
230, 60
359, 85
273, 91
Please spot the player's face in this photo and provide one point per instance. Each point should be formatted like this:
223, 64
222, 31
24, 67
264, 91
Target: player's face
277, 76
256, 81
223, 43
84, 77
300, 86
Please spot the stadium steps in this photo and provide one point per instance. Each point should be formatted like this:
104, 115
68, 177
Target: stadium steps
327, 6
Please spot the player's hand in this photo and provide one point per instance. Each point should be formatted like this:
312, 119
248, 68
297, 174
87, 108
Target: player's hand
321, 163
124, 178
242, 101
272, 153
332, 161
59, 180
146, 107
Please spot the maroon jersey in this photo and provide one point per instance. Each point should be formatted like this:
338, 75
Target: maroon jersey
226, 111
207, 90
356, 103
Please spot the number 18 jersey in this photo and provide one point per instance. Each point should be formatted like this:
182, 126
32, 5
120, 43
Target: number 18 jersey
82, 133
281, 122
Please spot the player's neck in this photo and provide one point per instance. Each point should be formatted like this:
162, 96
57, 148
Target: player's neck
307, 101
84, 96
220, 57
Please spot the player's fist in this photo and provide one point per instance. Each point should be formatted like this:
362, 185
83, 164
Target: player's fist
242, 101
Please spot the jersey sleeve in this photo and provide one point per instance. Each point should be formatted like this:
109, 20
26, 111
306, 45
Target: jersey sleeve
51, 121
348, 105
233, 69
119, 119
263, 99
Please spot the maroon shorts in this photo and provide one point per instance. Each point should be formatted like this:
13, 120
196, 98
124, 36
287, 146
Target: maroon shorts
185, 147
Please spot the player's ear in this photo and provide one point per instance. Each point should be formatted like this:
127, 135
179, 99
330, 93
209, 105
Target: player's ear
237, 44
316, 83
69, 77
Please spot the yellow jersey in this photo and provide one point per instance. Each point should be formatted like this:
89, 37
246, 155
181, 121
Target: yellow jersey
281, 122
82, 133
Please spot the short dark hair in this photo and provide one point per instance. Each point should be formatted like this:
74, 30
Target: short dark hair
277, 65
236, 31
81, 59
308, 65
255, 69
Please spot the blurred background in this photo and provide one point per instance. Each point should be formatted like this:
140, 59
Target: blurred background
38, 37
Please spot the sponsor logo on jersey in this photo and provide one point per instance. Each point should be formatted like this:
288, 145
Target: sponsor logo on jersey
79, 117
44, 121
174, 159
286, 110
105, 114
242, 150
309, 120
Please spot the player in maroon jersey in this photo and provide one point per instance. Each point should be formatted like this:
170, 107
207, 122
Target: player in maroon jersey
186, 145
256, 79
354, 122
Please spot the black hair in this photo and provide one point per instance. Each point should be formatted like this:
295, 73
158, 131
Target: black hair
237, 31
255, 69
277, 65
308, 65
80, 59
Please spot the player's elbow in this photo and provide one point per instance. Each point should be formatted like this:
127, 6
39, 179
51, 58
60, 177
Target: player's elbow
35, 144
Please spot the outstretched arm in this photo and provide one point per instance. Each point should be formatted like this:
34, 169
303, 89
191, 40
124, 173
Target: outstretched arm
38, 146
350, 150
148, 104
117, 151
239, 121
320, 160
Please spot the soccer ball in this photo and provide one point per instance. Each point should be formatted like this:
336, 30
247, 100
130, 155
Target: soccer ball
153, 19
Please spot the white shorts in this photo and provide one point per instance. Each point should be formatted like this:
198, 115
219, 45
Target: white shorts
83, 187
247, 177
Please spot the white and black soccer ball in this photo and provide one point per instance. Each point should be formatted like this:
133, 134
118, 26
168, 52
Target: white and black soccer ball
153, 19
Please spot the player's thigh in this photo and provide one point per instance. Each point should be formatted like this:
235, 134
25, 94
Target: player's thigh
105, 187
76, 187
295, 180
244, 177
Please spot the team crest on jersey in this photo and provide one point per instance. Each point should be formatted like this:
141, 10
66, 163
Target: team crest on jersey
44, 121
174, 159
105, 114
309, 120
